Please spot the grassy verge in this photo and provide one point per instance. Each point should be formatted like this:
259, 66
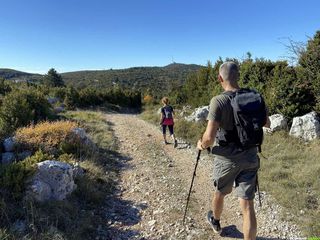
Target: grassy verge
291, 172
150, 114
82, 214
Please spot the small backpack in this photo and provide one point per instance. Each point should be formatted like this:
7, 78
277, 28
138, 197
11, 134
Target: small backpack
250, 115
167, 111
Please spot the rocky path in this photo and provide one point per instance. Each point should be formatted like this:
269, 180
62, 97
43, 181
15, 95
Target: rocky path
154, 185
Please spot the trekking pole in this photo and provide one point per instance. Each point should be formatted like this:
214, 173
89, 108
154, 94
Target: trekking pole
194, 174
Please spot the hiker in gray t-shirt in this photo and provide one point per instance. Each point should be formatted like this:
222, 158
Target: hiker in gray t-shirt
232, 165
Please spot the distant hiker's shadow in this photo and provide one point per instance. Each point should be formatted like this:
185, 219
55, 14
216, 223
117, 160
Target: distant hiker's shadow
232, 232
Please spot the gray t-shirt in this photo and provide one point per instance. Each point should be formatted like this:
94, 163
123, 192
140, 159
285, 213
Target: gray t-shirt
220, 110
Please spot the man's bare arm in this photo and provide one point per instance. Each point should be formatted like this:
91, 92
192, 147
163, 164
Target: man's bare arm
209, 135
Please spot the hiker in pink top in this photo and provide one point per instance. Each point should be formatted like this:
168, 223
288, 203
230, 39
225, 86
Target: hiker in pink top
166, 119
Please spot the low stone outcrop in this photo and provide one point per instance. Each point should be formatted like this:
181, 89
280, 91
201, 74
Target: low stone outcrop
199, 114
278, 122
306, 127
53, 181
81, 134
185, 110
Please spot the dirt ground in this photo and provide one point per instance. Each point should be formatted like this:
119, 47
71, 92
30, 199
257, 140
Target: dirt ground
154, 183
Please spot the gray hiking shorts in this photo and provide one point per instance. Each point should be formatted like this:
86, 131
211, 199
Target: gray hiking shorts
236, 167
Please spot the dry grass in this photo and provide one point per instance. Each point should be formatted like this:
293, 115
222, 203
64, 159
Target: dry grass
46, 135
189, 131
81, 214
291, 173
97, 126
150, 114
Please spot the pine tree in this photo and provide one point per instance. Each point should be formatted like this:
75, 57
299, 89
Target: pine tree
53, 79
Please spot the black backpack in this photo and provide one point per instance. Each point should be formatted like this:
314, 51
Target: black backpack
167, 112
250, 115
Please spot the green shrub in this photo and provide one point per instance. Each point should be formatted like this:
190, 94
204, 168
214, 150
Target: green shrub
58, 92
190, 131
14, 176
89, 97
67, 158
71, 98
150, 114
22, 107
4, 86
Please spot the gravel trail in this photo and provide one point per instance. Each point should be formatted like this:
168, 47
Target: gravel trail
154, 185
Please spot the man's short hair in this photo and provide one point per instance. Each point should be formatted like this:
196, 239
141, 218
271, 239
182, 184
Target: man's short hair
229, 71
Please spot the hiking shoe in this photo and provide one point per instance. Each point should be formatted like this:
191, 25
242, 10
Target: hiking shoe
215, 224
165, 142
175, 144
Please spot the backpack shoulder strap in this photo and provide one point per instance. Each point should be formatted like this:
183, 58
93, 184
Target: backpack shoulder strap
229, 93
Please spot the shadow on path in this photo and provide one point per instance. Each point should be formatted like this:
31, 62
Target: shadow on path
232, 232
120, 214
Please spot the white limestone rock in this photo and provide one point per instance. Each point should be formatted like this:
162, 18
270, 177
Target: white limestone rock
53, 181
199, 114
83, 137
185, 110
306, 127
278, 122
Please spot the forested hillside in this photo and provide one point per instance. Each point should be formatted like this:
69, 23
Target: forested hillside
15, 75
153, 79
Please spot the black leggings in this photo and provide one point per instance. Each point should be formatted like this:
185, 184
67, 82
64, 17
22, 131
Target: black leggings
164, 128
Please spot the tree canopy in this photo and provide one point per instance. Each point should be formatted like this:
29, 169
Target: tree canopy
53, 79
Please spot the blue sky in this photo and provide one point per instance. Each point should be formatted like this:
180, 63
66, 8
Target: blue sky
72, 35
